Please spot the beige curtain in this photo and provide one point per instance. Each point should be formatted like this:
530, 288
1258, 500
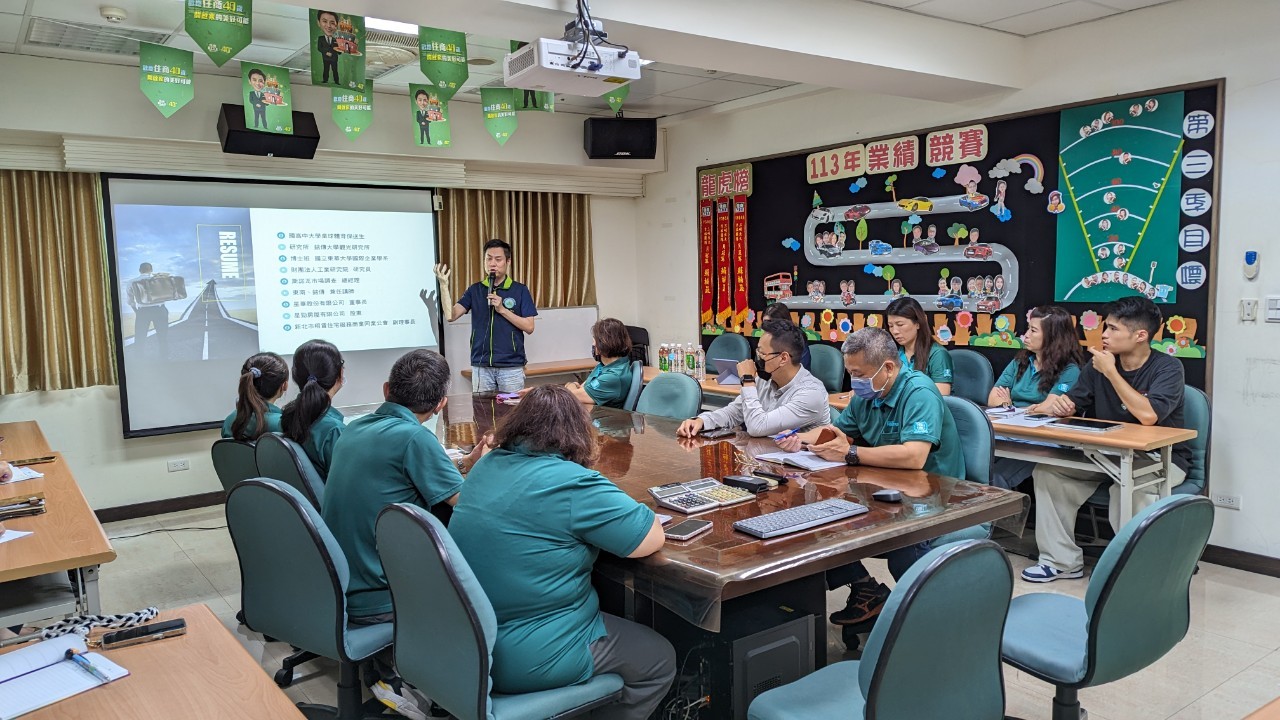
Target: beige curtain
55, 323
550, 236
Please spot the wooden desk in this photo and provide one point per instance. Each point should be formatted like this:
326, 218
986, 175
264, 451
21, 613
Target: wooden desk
711, 387
203, 675
559, 367
1270, 711
22, 440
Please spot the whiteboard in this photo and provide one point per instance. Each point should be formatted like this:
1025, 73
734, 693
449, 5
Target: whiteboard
559, 334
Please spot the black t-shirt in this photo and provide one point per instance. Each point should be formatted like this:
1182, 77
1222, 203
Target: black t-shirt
1160, 380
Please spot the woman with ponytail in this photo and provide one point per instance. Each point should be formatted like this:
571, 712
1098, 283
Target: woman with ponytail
263, 379
311, 420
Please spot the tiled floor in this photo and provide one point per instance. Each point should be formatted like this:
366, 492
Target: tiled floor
1226, 667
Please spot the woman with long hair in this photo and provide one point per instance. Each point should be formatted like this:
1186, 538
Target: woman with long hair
531, 520
1048, 364
909, 327
311, 420
610, 381
263, 379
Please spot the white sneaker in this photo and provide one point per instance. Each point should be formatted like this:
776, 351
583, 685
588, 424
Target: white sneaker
1048, 573
404, 699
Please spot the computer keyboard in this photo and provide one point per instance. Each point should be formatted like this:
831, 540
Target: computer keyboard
782, 522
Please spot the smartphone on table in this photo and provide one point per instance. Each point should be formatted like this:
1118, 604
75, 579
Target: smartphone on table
144, 633
687, 529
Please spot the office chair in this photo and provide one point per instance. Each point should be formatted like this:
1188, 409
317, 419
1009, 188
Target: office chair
446, 628
729, 346
637, 382
977, 445
1136, 608
671, 395
233, 461
639, 343
280, 458
827, 364
972, 377
926, 658
293, 587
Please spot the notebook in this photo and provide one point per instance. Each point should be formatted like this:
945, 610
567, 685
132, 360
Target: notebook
803, 459
40, 675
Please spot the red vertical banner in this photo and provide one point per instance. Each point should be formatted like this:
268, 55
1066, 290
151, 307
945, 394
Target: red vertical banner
724, 261
740, 306
707, 261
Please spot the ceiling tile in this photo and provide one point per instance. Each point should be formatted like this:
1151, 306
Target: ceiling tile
1052, 18
1131, 4
896, 3
403, 76
652, 82
10, 27
980, 12
492, 43
297, 12
718, 91
162, 16
279, 31
759, 80
682, 70
13, 7
663, 105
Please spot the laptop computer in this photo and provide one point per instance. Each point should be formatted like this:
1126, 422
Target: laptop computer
726, 371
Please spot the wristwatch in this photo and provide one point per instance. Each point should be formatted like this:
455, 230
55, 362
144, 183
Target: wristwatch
851, 457
748, 378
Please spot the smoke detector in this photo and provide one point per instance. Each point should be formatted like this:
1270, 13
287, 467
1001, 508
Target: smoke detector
113, 15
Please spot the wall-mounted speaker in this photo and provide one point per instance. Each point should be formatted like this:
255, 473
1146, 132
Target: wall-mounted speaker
241, 140
620, 138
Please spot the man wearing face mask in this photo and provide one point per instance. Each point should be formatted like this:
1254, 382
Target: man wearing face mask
777, 393
897, 419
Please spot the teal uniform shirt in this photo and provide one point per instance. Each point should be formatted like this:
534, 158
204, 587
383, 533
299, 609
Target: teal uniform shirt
913, 410
272, 417
609, 384
938, 365
531, 527
382, 458
1025, 390
323, 438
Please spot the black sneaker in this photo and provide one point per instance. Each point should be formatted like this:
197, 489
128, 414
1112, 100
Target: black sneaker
866, 600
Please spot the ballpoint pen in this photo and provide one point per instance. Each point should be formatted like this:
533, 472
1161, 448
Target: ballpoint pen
75, 656
787, 434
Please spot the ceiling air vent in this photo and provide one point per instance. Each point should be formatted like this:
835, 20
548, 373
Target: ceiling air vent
108, 40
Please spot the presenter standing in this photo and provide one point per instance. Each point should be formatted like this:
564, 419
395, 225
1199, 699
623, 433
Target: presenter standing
502, 314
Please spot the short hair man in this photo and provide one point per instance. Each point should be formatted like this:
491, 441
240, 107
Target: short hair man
327, 44
1126, 382
779, 311
777, 393
257, 99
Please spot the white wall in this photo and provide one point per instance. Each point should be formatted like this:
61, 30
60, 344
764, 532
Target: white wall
613, 234
1181, 42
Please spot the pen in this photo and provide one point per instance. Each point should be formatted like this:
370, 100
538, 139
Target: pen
74, 655
787, 434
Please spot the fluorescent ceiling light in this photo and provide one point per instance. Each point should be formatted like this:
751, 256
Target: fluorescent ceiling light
391, 26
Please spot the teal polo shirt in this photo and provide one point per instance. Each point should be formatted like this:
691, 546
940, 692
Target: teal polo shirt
1025, 390
937, 367
323, 438
913, 410
382, 458
272, 417
609, 384
530, 527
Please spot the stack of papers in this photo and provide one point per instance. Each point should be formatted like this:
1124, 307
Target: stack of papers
803, 459
22, 472
1018, 417
40, 675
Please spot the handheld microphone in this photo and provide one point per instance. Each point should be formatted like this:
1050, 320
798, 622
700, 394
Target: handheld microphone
493, 280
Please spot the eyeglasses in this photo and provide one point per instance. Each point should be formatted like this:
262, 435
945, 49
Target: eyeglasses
766, 356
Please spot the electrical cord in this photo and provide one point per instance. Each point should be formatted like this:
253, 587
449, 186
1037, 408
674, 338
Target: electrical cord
159, 530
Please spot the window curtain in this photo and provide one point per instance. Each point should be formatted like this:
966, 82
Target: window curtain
55, 322
550, 236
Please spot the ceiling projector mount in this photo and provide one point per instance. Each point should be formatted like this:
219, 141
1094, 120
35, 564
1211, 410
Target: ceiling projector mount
582, 62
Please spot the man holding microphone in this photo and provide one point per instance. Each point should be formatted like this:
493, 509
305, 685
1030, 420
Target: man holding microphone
503, 313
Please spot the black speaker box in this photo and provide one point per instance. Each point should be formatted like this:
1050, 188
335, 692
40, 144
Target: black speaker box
238, 139
620, 138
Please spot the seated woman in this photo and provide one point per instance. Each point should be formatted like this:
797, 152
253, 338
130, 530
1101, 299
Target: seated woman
1048, 364
263, 379
311, 420
610, 381
531, 519
910, 329
779, 311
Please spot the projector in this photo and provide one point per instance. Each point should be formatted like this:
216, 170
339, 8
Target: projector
546, 65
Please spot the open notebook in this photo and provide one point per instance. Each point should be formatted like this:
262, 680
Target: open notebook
40, 675
803, 459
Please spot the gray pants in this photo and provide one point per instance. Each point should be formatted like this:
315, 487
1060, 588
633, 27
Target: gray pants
644, 659
496, 379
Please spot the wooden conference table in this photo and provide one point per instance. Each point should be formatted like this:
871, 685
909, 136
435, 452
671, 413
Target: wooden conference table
544, 369
67, 537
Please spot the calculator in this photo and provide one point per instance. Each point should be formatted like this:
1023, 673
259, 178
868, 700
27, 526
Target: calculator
698, 495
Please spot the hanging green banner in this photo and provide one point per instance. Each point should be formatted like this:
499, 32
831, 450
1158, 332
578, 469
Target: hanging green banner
353, 110
499, 112
267, 103
222, 28
616, 97
532, 99
165, 76
336, 42
430, 117
444, 60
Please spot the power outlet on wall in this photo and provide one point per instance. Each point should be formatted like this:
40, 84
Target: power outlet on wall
1223, 500
179, 465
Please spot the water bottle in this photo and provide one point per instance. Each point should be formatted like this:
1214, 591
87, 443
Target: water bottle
664, 358
700, 363
690, 361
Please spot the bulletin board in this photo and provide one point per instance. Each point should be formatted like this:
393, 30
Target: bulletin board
980, 222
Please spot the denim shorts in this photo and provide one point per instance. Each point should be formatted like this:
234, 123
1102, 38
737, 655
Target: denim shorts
496, 379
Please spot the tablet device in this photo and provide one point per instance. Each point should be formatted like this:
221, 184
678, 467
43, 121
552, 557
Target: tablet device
1088, 424
726, 371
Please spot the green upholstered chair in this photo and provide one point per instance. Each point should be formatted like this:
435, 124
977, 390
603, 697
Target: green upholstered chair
637, 382
446, 628
827, 364
280, 458
972, 377
934, 651
293, 586
729, 346
671, 395
233, 461
977, 444
1136, 608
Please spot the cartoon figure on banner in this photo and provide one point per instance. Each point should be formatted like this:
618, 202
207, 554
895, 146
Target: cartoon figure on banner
968, 177
847, 291
973, 285
896, 289
942, 286
777, 287
257, 97
998, 209
840, 238
1109, 197
999, 287
956, 285
427, 113
817, 290
1055, 205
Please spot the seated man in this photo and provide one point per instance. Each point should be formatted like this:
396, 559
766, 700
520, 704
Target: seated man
1126, 382
779, 311
896, 419
786, 397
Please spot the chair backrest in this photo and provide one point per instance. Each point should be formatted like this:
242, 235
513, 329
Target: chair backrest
639, 343
671, 395
1138, 600
729, 346
923, 633
977, 438
445, 625
293, 574
827, 364
280, 458
972, 376
233, 461
637, 382
1197, 415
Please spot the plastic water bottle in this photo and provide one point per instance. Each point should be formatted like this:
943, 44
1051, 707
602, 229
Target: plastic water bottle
664, 358
700, 363
690, 361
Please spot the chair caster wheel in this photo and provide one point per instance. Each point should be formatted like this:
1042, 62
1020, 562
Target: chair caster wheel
284, 678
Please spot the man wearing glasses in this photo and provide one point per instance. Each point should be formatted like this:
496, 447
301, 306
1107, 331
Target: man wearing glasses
777, 393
